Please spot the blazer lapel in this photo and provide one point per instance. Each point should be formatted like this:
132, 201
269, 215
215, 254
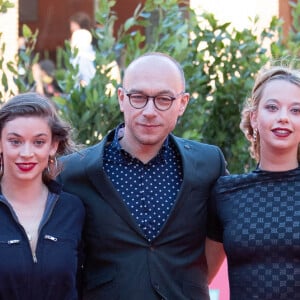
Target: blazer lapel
103, 185
185, 186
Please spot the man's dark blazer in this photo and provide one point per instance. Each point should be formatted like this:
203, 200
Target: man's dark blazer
120, 262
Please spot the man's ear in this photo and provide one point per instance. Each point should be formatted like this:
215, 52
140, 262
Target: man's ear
121, 97
184, 102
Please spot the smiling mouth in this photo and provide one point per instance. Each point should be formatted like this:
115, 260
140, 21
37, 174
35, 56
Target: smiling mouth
26, 166
281, 132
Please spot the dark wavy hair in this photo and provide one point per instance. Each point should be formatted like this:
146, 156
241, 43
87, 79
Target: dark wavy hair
82, 19
34, 104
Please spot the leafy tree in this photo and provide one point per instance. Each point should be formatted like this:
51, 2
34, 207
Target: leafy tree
5, 5
286, 48
20, 68
219, 63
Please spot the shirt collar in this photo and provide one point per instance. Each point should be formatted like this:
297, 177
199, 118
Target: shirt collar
160, 157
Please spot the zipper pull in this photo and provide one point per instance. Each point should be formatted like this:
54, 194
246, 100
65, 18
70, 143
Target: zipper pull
50, 237
34, 257
11, 242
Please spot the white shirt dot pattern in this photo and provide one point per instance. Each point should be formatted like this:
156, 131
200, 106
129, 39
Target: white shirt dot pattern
149, 190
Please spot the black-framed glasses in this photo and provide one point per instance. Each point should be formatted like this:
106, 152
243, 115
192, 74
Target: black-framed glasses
161, 102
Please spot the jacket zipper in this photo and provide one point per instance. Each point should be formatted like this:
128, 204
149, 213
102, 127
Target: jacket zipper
33, 253
34, 257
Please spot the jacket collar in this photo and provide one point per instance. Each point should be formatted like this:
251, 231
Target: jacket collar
97, 176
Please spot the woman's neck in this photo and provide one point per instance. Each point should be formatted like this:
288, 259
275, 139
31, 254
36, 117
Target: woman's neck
278, 163
25, 192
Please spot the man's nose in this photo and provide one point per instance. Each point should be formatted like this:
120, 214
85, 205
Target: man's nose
150, 107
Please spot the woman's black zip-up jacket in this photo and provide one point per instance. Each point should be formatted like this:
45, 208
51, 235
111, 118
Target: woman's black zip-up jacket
51, 272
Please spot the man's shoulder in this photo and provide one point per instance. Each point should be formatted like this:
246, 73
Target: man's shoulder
193, 144
196, 152
81, 154
88, 151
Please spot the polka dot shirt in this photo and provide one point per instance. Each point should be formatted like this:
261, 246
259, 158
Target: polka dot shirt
149, 190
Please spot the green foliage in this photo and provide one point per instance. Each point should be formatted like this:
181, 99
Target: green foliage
26, 58
21, 66
93, 110
286, 49
219, 63
5, 5
222, 78
4, 66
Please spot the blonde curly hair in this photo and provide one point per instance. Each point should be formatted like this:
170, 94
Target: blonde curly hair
265, 75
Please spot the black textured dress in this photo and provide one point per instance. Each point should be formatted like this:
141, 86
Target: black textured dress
259, 224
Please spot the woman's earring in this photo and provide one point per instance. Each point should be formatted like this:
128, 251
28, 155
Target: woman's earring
52, 164
1, 164
255, 134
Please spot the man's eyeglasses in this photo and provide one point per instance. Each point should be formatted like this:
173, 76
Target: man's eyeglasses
161, 102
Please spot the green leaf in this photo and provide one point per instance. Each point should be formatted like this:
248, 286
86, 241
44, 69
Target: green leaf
26, 31
129, 23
